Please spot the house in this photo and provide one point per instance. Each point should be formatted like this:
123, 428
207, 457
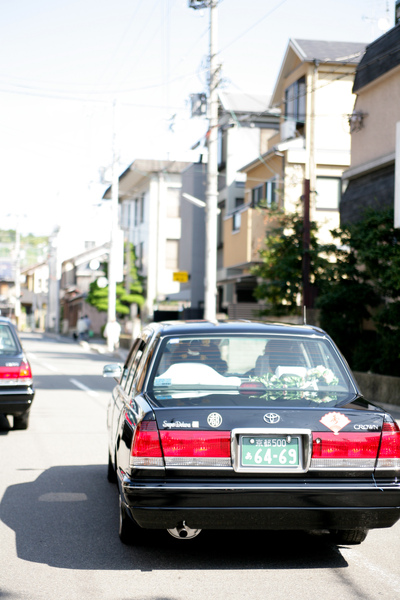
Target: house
192, 241
314, 94
7, 287
149, 195
34, 295
370, 180
77, 273
246, 123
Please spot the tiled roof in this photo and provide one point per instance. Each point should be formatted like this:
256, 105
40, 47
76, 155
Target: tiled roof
343, 52
380, 57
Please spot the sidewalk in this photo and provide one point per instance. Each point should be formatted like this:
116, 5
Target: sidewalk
95, 345
100, 347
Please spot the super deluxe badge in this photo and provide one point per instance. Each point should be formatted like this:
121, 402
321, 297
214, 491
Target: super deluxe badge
335, 421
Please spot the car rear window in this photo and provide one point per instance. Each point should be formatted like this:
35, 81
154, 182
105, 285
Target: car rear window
274, 366
8, 344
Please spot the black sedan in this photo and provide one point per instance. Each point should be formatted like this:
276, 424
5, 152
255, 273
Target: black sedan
16, 384
240, 425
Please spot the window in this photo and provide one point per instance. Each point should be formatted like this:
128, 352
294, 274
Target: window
7, 343
328, 193
264, 195
295, 101
171, 254
270, 191
173, 203
222, 148
129, 365
126, 215
220, 226
136, 210
202, 362
142, 208
239, 202
257, 195
236, 221
134, 367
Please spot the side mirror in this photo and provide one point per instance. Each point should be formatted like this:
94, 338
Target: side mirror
114, 370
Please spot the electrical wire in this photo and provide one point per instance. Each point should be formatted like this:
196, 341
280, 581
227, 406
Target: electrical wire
272, 10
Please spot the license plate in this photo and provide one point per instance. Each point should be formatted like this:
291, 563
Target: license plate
270, 451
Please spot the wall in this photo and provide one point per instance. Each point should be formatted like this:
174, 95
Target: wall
377, 138
379, 388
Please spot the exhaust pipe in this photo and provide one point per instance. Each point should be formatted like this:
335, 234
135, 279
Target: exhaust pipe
183, 532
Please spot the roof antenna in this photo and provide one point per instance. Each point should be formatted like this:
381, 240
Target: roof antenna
304, 315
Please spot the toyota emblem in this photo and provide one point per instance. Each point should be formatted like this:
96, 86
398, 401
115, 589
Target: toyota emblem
271, 418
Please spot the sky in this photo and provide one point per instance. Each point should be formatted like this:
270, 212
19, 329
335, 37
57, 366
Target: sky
77, 74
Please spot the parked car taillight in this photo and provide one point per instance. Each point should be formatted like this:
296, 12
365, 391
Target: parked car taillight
16, 374
389, 453
25, 372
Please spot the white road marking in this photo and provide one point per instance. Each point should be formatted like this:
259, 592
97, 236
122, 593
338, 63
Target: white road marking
354, 557
83, 387
49, 367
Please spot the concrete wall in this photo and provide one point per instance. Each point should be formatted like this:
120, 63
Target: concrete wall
379, 388
379, 103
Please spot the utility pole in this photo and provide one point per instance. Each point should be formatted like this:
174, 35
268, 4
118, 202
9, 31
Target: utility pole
113, 255
17, 274
307, 298
210, 296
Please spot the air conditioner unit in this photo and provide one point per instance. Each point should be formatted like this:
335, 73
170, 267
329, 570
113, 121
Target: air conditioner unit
198, 4
288, 129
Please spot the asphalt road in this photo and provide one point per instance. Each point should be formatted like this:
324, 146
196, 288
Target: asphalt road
59, 517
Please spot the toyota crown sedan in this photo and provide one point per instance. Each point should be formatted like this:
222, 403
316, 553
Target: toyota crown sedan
242, 425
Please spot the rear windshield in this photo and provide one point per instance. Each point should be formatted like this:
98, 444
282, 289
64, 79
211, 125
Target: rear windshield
276, 367
8, 344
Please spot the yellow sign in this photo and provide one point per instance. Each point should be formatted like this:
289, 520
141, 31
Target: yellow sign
181, 276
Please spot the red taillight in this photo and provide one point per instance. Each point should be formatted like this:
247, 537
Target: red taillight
14, 374
389, 453
25, 370
179, 448
9, 372
146, 448
345, 450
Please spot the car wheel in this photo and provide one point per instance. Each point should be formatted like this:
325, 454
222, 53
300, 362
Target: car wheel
129, 532
21, 421
111, 474
350, 536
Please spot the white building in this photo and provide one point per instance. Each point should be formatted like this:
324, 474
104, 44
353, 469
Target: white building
149, 194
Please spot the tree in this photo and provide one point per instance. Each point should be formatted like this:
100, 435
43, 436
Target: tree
98, 296
366, 286
281, 264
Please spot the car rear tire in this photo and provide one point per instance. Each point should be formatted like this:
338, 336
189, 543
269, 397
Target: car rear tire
347, 537
129, 532
21, 421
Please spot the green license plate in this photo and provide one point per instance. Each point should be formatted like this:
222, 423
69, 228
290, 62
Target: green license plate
269, 451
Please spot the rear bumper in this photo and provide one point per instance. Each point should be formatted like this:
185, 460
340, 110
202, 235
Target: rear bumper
287, 507
15, 401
